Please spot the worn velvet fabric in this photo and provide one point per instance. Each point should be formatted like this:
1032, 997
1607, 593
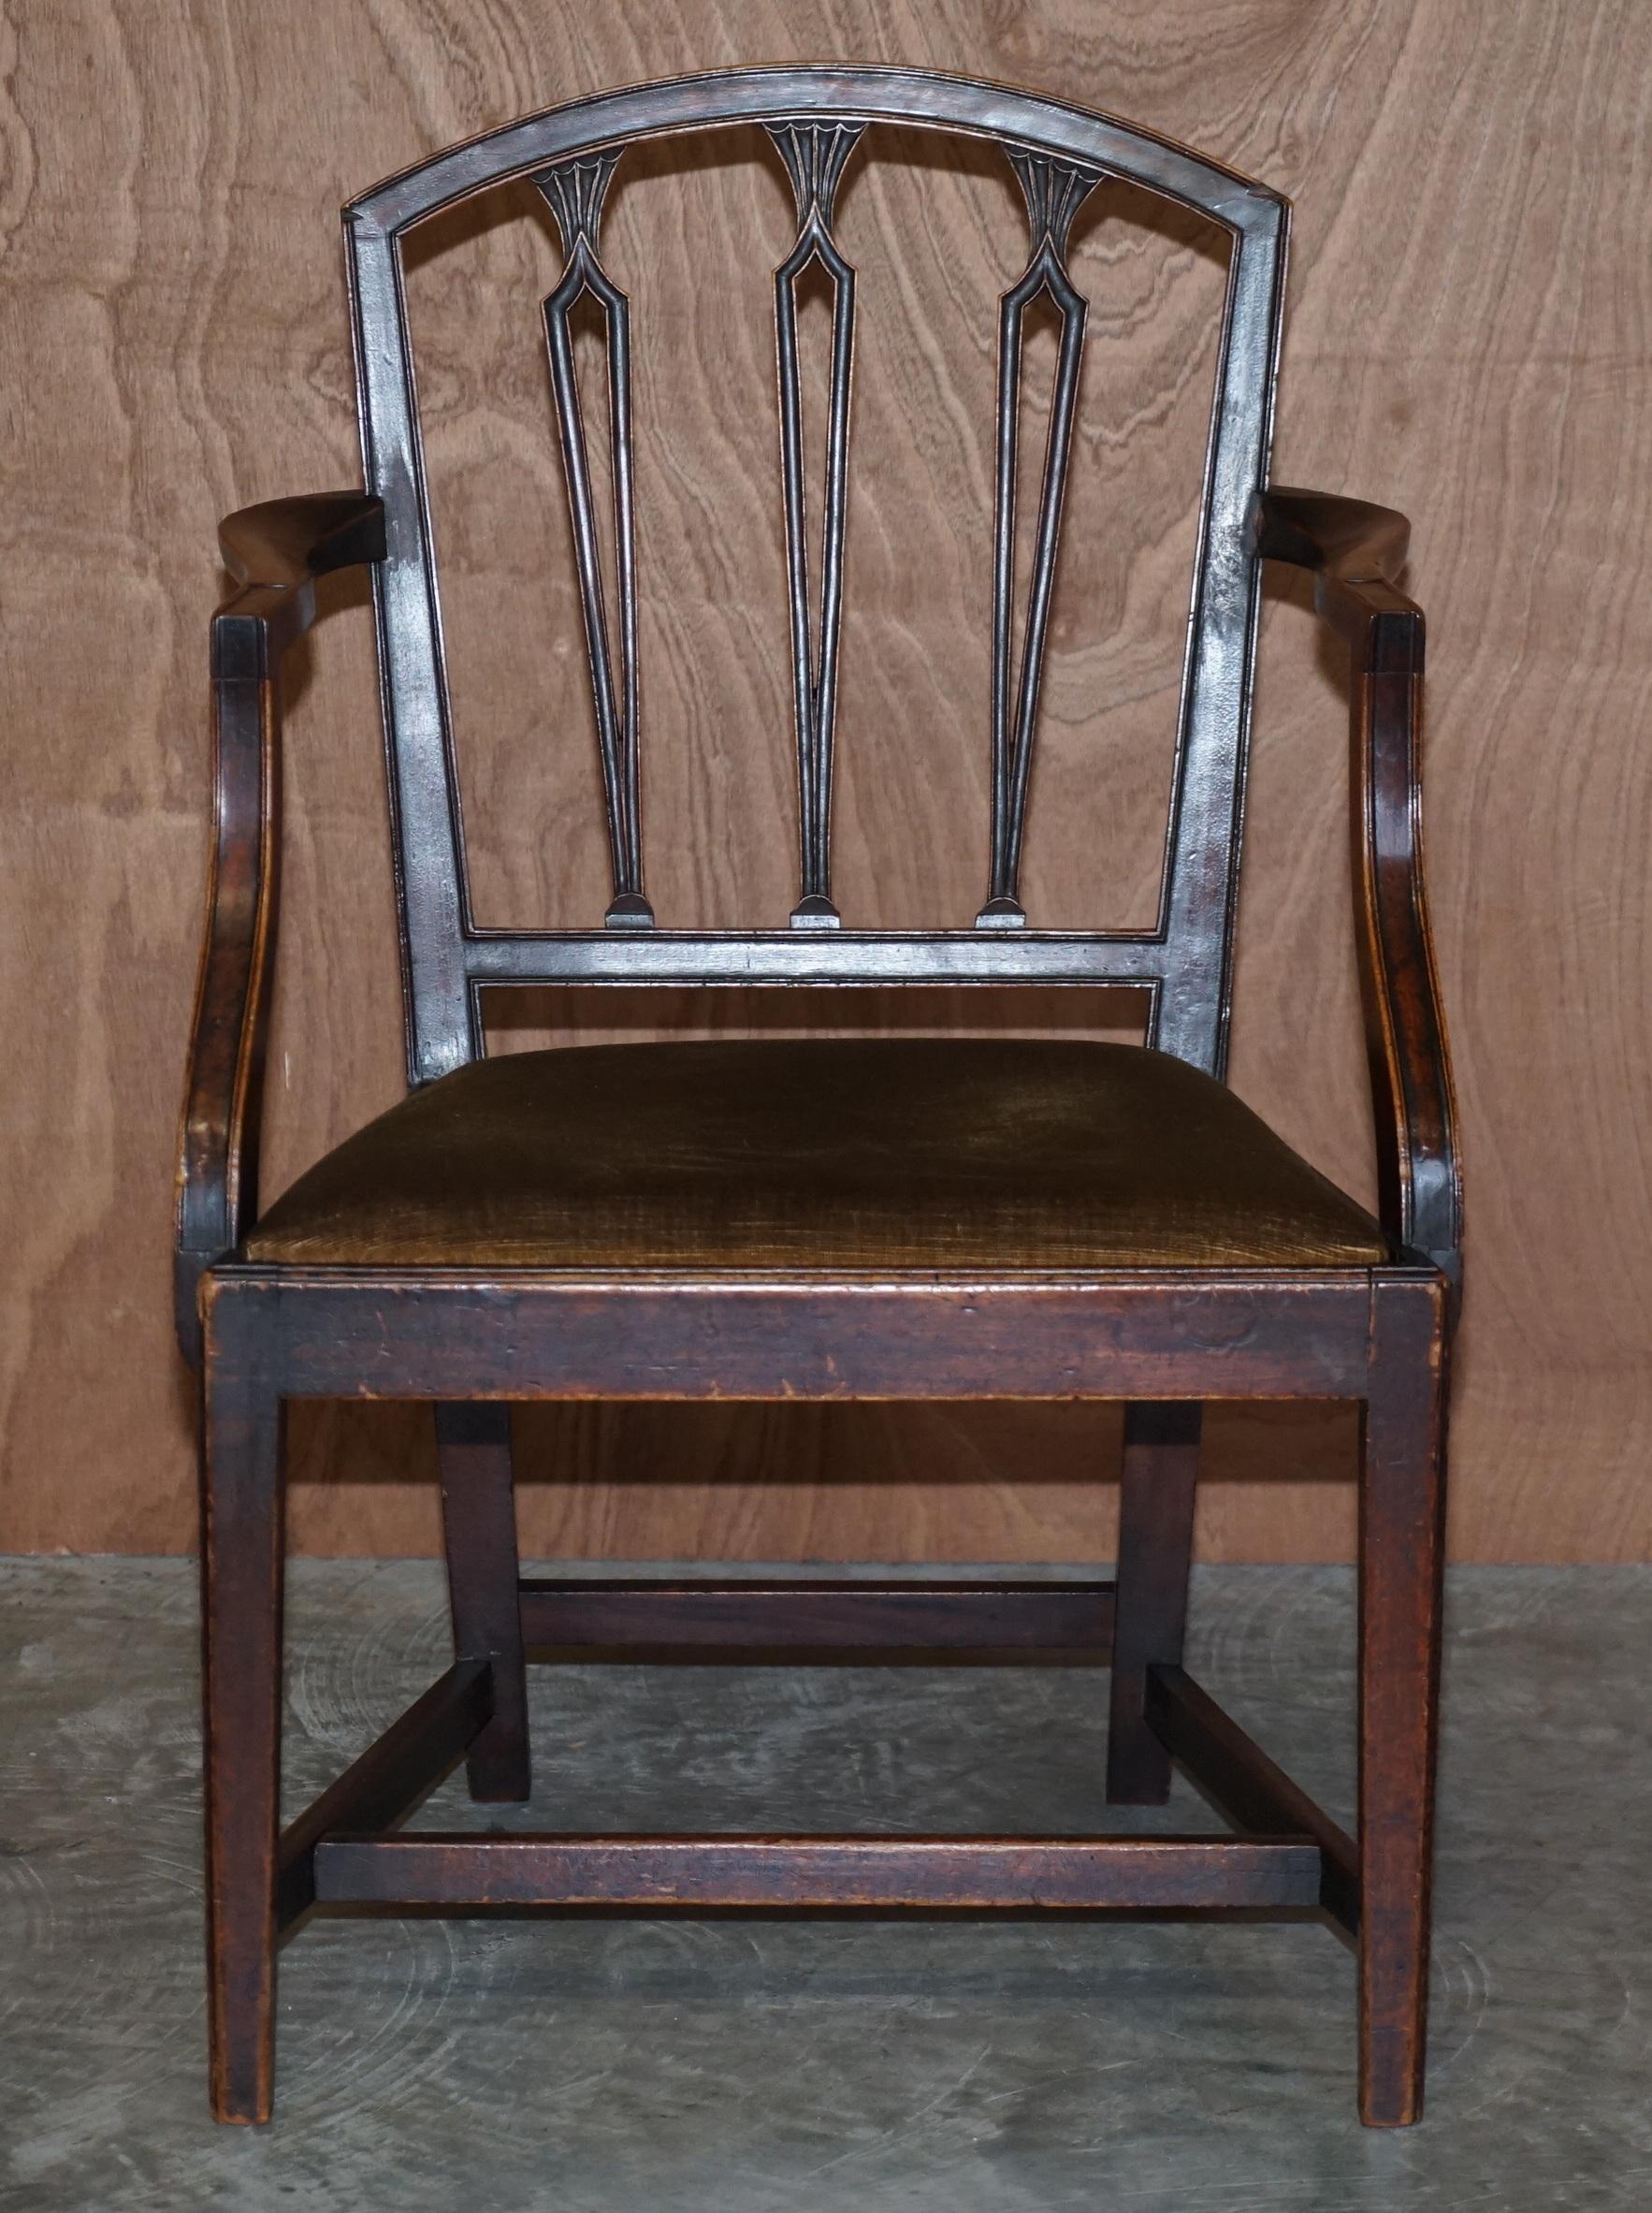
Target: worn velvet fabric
1002, 1154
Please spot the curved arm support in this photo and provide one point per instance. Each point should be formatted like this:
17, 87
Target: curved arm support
1354, 551
275, 552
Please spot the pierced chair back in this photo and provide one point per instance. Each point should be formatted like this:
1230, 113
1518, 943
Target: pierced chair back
817, 118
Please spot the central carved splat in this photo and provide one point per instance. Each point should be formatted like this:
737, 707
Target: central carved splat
815, 155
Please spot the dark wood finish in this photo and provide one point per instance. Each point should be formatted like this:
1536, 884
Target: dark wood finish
1054, 191
574, 190
1234, 1772
386, 1782
1056, 151
479, 1530
1401, 1565
437, 1335
988, 1622
275, 553
815, 155
1156, 1495
982, 1873
241, 1569
472, 1342
1354, 551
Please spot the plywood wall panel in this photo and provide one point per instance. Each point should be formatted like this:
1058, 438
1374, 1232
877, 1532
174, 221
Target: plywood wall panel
1469, 338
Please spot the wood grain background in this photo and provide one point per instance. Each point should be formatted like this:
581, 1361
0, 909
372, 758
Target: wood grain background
1470, 320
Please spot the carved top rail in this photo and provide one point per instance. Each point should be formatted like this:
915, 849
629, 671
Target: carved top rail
817, 119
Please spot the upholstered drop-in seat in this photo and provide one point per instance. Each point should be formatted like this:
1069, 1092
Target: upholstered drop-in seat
887, 1152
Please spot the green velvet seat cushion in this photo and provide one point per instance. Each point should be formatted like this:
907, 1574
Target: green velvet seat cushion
917, 1154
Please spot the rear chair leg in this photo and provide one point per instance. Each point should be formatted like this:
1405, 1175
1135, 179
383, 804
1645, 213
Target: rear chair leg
1155, 1549
242, 1563
1402, 1554
479, 1519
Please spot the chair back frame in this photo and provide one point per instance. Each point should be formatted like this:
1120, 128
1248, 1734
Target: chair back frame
817, 117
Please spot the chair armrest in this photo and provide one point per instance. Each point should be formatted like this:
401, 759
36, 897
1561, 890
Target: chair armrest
1343, 538
275, 552
1354, 551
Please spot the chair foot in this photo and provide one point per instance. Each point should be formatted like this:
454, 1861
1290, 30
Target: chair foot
1402, 1554
241, 1566
1155, 1547
478, 1522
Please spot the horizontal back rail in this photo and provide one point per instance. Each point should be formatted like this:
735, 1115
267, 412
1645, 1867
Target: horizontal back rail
777, 956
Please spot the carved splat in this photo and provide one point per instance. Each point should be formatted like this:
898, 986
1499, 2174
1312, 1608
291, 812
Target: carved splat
575, 192
1054, 191
815, 155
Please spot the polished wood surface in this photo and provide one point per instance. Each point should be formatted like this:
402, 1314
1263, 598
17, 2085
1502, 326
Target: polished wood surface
270, 1337
1238, 1776
275, 553
1496, 387
479, 1534
1158, 1492
411, 1756
666, 1323
1354, 552
1039, 1874
973, 1622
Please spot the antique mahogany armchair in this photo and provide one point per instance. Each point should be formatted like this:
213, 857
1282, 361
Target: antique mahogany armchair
821, 1219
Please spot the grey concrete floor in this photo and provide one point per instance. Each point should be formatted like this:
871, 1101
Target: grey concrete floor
747, 2066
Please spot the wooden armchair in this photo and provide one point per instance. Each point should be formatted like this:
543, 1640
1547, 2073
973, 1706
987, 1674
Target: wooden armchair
822, 1220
